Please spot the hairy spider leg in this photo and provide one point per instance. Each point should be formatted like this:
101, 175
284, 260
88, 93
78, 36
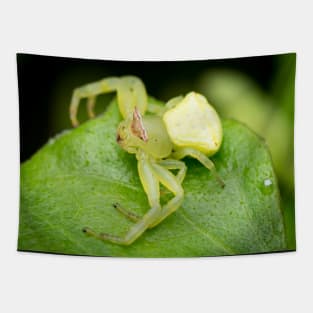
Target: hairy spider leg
130, 90
202, 158
168, 164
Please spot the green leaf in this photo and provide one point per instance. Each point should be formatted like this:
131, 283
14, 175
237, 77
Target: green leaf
74, 179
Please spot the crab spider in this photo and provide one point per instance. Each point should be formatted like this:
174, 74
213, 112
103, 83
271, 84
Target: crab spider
186, 126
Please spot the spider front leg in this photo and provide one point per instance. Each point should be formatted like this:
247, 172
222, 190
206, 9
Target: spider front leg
130, 90
151, 174
171, 182
202, 158
90, 91
150, 184
169, 164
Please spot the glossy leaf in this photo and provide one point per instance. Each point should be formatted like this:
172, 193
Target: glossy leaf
74, 179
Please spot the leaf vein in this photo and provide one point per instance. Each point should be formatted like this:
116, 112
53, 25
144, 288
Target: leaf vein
215, 241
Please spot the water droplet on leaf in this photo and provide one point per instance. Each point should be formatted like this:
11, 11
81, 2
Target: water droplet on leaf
267, 186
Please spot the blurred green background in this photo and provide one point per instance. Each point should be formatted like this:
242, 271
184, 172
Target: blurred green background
258, 91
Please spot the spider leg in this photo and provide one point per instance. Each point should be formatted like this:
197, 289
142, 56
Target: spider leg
172, 164
129, 214
130, 90
151, 186
90, 91
202, 158
169, 180
90, 106
139, 96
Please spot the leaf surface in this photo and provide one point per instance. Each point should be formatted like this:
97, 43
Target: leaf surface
74, 179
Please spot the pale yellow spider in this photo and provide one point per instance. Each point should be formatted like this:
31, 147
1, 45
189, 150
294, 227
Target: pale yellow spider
186, 126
